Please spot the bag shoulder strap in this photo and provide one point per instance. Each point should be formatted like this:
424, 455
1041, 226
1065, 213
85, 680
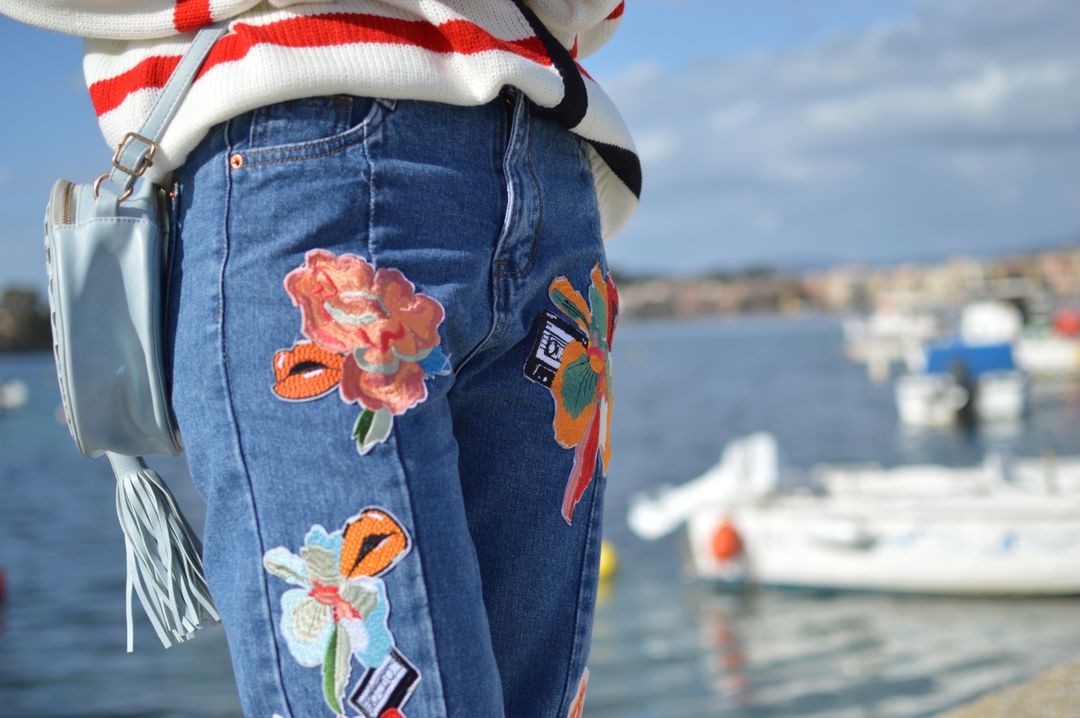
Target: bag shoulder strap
135, 153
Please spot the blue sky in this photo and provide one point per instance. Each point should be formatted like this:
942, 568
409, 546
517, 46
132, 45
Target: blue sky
817, 131
678, 33
791, 132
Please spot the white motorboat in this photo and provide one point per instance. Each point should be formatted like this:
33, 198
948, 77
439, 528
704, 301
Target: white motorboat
13, 394
1048, 354
887, 336
970, 377
1003, 527
938, 399
929, 399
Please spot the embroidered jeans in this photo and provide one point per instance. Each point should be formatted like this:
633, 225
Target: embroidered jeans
389, 328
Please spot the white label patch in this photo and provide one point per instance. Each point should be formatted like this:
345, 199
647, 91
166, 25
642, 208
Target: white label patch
388, 686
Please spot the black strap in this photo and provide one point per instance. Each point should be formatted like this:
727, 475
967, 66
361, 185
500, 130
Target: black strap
575, 102
624, 163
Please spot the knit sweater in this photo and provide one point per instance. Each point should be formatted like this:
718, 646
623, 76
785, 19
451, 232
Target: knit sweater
455, 51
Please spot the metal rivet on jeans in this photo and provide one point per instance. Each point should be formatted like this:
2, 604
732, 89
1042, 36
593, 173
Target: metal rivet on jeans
236, 161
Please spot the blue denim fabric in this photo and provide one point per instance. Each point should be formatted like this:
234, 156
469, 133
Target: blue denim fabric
480, 208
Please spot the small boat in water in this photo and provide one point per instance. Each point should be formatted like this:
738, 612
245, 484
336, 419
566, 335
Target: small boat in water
1003, 527
970, 377
887, 336
963, 383
13, 394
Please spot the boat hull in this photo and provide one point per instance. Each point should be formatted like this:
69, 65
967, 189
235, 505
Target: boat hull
981, 547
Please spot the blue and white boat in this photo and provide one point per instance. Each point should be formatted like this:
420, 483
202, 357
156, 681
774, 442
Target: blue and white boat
970, 377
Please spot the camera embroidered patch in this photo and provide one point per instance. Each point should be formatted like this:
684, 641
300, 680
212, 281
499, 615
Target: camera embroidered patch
386, 687
553, 335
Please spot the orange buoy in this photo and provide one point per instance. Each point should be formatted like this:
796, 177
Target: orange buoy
1067, 322
726, 543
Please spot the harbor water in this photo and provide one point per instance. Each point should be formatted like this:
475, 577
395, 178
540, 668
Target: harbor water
664, 646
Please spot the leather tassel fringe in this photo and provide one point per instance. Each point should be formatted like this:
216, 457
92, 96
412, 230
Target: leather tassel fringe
164, 556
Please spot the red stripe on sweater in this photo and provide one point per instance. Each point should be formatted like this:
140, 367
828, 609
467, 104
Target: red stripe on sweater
456, 36
617, 12
190, 15
151, 72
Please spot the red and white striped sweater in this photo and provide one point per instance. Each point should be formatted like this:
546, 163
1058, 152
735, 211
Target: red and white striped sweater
456, 51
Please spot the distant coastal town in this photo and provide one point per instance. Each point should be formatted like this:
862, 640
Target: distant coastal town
1051, 275
1054, 275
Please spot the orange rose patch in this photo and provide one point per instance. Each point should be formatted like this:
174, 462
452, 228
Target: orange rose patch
369, 333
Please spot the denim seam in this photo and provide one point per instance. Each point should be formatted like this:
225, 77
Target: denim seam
261, 131
492, 332
366, 146
524, 270
300, 158
423, 573
256, 129
300, 151
587, 177
503, 136
394, 434
511, 193
267, 607
342, 113
583, 585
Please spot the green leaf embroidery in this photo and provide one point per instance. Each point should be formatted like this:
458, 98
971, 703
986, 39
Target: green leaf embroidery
567, 306
598, 306
330, 673
372, 427
363, 425
342, 661
579, 386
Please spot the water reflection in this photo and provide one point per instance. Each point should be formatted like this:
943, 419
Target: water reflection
665, 646
802, 653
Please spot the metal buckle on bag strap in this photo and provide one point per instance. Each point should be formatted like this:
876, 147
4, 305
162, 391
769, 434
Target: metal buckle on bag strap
145, 161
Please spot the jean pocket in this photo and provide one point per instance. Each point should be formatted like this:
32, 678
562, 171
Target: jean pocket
310, 126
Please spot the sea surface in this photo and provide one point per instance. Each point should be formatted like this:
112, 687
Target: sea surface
664, 646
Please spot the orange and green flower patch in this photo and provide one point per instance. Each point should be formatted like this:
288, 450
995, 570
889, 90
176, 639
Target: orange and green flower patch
582, 387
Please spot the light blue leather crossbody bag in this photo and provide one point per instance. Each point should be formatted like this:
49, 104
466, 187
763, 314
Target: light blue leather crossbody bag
105, 245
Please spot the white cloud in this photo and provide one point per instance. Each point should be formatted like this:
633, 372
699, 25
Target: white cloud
951, 130
987, 97
728, 119
656, 145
